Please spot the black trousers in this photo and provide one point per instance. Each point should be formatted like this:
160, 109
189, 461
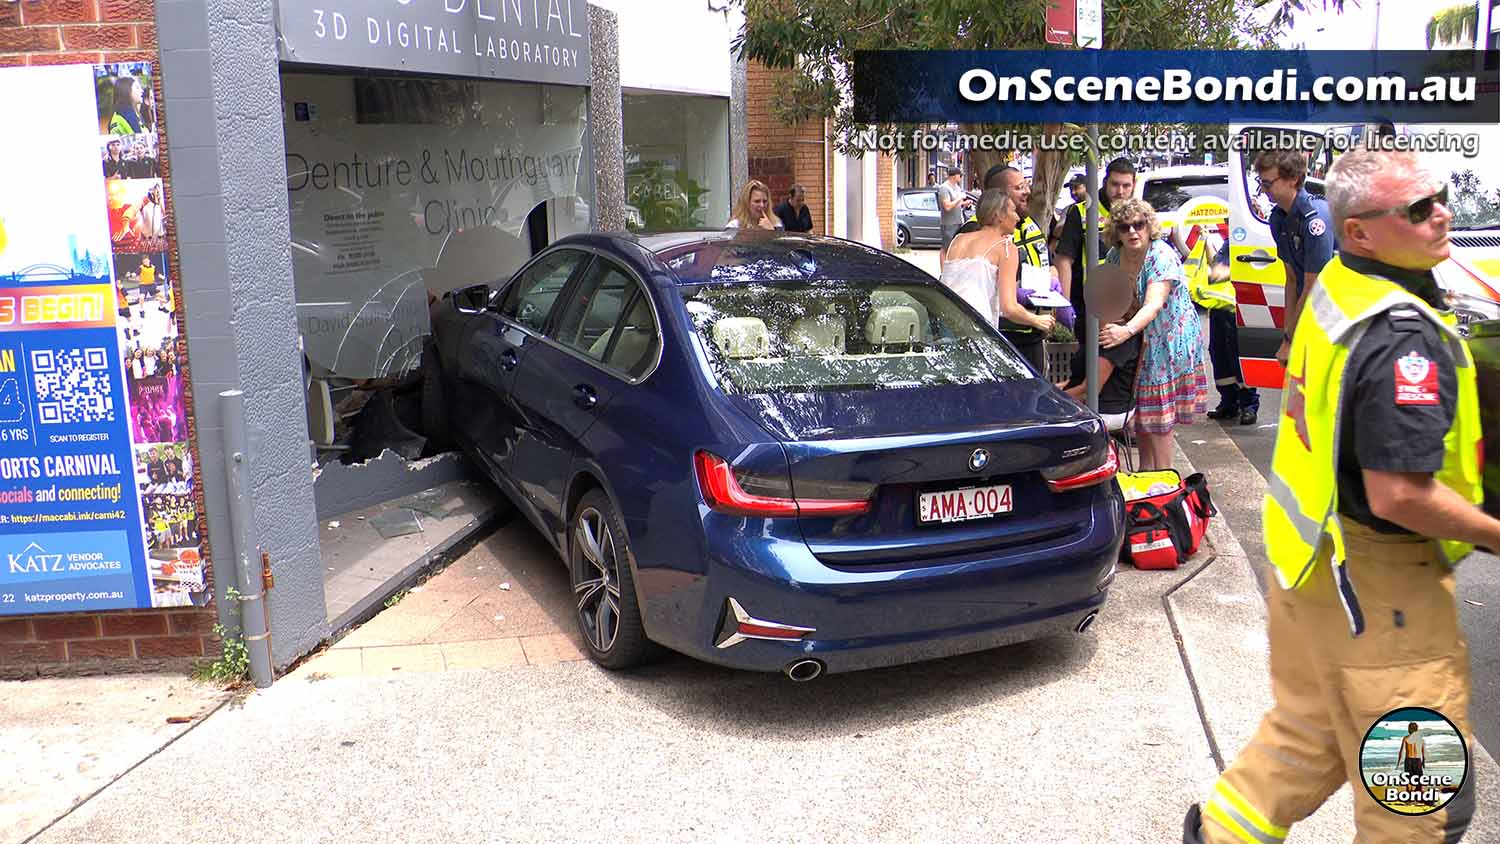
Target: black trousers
1224, 351
1029, 344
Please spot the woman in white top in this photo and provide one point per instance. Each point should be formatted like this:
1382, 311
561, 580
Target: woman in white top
982, 267
753, 209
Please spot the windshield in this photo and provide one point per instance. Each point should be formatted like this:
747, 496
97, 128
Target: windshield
1171, 194
838, 335
1473, 181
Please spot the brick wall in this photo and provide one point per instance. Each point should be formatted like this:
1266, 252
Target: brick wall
782, 155
885, 198
47, 32
39, 32
129, 640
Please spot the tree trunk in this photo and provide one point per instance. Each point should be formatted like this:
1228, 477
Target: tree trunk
981, 160
1047, 178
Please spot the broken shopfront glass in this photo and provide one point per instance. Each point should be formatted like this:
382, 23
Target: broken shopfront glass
402, 189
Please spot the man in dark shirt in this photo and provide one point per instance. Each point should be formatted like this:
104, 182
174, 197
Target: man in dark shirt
115, 167
1302, 227
1378, 628
793, 211
1393, 436
1119, 185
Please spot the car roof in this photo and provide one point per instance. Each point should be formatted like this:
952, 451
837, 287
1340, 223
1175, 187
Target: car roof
730, 255
1183, 170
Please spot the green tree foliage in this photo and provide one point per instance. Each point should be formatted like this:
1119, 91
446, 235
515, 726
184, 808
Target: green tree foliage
1454, 25
818, 39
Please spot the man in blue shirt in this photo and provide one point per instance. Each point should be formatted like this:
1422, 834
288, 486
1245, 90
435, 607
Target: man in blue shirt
1302, 226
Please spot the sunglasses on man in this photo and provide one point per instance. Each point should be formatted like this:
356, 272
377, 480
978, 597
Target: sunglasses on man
1416, 211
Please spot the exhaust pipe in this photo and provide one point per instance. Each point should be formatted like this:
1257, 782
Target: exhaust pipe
803, 670
1088, 621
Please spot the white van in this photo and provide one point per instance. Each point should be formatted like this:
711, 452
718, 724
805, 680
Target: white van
1471, 276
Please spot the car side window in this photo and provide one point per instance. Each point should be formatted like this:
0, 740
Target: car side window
530, 298
921, 201
592, 323
636, 340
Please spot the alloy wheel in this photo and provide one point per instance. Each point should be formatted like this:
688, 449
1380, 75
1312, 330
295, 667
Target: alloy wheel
596, 580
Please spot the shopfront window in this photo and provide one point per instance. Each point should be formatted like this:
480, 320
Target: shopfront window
676, 162
403, 189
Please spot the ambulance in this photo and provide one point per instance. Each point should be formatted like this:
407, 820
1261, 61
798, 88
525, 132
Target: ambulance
1470, 278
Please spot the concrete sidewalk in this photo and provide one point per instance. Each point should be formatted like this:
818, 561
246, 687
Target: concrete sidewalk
464, 712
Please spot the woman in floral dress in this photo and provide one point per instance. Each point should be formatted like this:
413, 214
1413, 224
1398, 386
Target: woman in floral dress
1170, 387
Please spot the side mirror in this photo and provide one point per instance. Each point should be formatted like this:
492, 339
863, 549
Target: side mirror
473, 299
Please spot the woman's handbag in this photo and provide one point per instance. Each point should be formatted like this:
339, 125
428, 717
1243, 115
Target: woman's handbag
1166, 517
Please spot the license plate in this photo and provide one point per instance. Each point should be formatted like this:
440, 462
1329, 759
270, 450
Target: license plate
961, 505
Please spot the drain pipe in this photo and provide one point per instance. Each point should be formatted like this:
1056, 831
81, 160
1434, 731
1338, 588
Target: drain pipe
254, 614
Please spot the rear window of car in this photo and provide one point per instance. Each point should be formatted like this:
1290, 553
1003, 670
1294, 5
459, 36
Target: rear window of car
839, 335
1171, 194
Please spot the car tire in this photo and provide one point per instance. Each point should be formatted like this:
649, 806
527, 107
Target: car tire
605, 603
434, 401
903, 237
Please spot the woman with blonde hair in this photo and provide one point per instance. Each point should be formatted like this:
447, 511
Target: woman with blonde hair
984, 269
753, 208
1170, 388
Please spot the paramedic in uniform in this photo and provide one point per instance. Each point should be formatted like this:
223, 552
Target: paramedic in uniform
1364, 522
1301, 226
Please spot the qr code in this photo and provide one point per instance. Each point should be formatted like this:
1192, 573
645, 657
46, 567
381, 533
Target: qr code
72, 386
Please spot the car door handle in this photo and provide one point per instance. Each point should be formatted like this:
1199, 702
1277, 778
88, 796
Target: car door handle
509, 360
1255, 258
585, 397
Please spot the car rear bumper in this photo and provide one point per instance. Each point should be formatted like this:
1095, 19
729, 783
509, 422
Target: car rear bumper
868, 619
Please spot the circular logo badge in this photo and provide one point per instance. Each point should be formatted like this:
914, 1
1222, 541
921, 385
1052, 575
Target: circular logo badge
978, 460
1413, 760
1240, 234
1316, 228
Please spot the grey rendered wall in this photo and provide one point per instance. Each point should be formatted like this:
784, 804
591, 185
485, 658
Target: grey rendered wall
606, 121
739, 150
226, 147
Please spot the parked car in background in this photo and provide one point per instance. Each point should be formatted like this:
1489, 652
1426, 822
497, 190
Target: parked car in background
778, 452
918, 217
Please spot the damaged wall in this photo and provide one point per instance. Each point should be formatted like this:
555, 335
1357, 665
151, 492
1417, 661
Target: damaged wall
223, 89
340, 488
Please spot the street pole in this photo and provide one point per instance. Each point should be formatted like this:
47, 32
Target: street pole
254, 617
1090, 261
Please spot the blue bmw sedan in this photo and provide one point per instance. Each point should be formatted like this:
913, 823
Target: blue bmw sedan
777, 452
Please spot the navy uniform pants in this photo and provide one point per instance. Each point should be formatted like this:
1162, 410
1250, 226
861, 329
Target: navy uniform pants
1224, 351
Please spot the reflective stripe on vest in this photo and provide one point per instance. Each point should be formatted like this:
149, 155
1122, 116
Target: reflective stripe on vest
1030, 242
1301, 506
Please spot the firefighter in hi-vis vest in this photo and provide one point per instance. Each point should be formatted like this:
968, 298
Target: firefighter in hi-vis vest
1364, 522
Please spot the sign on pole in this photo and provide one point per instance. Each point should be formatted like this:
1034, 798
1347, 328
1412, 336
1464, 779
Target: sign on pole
1062, 20
1090, 23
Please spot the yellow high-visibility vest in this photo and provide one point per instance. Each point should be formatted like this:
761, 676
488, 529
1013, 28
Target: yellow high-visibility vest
1031, 243
1301, 509
1214, 295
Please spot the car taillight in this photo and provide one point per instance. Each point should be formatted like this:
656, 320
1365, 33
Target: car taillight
741, 493
1083, 472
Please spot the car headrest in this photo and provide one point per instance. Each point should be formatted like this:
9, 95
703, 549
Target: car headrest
820, 335
893, 325
883, 296
742, 337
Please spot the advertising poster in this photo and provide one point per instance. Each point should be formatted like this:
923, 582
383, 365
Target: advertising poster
96, 504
